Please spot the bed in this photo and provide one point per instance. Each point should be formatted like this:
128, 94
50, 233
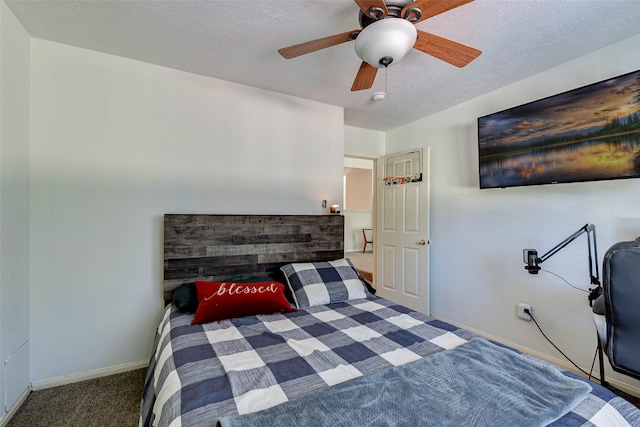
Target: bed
285, 332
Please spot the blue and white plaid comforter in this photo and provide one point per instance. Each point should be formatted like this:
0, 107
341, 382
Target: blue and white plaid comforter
198, 374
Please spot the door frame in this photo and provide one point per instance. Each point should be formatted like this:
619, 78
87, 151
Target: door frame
374, 204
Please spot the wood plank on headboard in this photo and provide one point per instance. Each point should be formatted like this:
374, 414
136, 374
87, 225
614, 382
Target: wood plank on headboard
235, 247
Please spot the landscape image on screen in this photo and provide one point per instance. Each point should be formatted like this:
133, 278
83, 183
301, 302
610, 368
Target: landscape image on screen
587, 134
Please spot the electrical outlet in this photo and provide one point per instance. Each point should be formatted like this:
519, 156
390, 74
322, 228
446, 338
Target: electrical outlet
521, 308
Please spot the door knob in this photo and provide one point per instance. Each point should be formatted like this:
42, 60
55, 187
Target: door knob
422, 242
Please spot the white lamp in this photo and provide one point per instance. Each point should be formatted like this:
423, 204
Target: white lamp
386, 41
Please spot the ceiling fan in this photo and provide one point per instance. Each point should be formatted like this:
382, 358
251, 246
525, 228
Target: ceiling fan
388, 33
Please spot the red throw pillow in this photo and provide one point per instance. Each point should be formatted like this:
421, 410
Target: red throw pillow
226, 300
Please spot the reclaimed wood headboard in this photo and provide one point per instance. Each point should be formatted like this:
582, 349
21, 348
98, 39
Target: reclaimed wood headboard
235, 247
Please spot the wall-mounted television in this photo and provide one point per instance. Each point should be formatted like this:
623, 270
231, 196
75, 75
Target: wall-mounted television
586, 134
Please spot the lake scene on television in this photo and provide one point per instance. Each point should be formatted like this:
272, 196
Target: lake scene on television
587, 134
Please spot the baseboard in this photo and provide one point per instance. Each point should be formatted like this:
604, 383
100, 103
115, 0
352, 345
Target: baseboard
82, 376
18, 403
561, 363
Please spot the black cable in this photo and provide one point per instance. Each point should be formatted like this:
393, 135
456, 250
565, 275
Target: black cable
588, 374
593, 362
564, 280
526, 310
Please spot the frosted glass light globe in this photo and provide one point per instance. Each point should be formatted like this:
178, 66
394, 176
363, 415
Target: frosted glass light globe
385, 42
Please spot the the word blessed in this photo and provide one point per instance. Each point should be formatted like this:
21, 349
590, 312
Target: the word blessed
239, 289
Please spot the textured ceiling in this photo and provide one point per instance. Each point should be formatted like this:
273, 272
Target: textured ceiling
237, 40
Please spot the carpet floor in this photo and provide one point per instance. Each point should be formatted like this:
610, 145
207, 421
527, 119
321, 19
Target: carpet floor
112, 401
363, 262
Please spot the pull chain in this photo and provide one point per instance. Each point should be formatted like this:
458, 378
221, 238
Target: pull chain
386, 74
381, 96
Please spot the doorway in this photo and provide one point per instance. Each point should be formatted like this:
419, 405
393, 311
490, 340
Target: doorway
359, 214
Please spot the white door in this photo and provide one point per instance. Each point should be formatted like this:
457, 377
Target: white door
402, 229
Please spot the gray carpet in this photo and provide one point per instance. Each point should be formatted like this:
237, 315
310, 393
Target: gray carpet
101, 402
363, 262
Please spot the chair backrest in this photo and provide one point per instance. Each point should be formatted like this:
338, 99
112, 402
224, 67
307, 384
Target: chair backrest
621, 293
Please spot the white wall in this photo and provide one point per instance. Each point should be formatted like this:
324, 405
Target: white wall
367, 143
14, 209
117, 143
354, 222
477, 236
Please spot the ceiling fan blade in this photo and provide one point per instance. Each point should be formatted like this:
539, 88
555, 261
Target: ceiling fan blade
365, 5
365, 77
313, 45
447, 50
432, 8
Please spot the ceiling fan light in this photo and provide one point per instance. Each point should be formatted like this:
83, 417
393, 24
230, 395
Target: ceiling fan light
385, 40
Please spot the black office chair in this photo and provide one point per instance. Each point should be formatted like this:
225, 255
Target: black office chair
617, 310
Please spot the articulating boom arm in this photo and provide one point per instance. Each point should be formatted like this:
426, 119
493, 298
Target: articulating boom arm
533, 261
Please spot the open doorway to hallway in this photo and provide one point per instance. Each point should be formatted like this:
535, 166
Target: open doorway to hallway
359, 215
